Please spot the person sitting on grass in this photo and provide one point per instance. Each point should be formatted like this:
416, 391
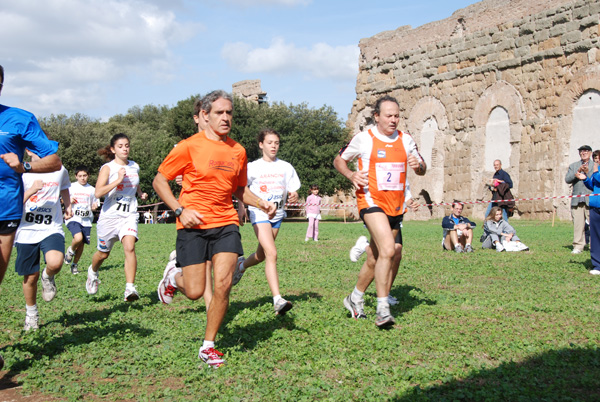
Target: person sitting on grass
499, 234
458, 230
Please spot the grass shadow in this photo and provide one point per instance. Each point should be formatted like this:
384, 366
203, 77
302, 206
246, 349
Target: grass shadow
557, 375
248, 336
408, 301
46, 344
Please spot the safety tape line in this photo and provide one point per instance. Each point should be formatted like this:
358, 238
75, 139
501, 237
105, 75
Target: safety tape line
430, 205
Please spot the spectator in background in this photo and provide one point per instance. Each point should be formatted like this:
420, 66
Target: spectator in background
593, 183
500, 176
458, 230
499, 234
580, 205
313, 213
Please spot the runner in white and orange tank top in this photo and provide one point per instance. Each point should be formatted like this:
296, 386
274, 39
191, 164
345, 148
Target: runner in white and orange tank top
383, 154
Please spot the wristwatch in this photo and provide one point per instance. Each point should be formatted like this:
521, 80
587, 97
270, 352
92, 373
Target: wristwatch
178, 211
27, 167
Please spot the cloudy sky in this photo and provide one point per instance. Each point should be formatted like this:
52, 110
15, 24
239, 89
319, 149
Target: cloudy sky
101, 57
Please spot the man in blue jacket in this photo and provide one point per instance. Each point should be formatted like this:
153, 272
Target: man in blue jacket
500, 176
458, 230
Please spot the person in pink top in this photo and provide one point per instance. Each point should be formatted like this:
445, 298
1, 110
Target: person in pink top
313, 213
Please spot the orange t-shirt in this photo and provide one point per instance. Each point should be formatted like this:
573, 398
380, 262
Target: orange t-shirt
212, 171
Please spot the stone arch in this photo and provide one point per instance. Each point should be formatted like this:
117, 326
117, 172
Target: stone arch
427, 122
504, 95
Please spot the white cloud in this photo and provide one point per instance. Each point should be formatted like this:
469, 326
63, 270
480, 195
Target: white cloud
319, 61
63, 53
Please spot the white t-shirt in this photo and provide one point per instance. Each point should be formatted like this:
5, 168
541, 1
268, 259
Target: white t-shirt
42, 214
82, 209
121, 201
271, 181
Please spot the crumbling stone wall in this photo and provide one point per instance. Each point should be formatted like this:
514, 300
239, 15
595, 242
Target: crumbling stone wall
535, 59
249, 90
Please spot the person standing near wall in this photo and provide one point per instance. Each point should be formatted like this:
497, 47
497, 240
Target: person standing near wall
580, 205
593, 183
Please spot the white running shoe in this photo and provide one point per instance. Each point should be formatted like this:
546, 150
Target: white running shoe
357, 310
239, 271
359, 248
576, 251
384, 317
69, 255
74, 269
92, 283
392, 300
499, 247
282, 306
131, 294
166, 290
48, 288
212, 357
595, 272
31, 322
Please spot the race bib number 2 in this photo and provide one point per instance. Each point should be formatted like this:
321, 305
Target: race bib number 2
388, 176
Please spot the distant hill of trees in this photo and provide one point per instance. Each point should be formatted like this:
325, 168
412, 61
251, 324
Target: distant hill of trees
310, 138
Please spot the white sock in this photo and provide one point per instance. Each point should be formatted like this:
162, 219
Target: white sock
91, 271
45, 274
276, 299
207, 344
356, 295
70, 250
383, 302
31, 310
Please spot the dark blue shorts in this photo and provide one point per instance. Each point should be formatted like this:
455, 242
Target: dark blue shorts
28, 255
76, 227
196, 246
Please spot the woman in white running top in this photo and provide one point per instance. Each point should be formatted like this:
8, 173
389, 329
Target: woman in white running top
119, 183
272, 180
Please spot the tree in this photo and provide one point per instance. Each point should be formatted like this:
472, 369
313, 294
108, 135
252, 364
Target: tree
310, 139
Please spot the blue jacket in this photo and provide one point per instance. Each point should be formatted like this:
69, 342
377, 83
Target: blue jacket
448, 222
593, 183
502, 175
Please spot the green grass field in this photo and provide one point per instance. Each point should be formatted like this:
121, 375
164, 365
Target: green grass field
482, 326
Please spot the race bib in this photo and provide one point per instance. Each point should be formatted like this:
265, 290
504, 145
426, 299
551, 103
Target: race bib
123, 204
388, 176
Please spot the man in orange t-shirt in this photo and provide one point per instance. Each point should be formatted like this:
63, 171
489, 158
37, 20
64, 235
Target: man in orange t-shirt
383, 154
213, 168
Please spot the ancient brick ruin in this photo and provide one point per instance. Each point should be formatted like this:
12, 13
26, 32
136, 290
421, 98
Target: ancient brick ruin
515, 80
